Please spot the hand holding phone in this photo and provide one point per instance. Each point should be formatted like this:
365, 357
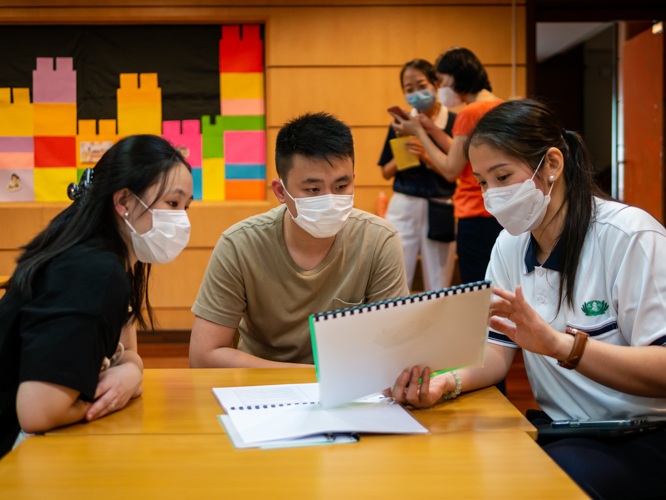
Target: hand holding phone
397, 110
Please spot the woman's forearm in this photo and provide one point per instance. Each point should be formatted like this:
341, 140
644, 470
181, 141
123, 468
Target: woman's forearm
639, 371
442, 139
495, 367
134, 358
390, 169
439, 159
42, 406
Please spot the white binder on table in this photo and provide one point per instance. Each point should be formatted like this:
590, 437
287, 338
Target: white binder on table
361, 350
290, 415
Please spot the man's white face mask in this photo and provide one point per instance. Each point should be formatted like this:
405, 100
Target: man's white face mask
322, 216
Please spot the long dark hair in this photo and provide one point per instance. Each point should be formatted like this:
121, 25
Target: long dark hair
527, 129
136, 163
469, 75
422, 66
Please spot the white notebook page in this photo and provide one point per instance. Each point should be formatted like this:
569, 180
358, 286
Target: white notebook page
365, 352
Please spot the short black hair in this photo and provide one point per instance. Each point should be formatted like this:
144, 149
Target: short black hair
469, 75
313, 135
424, 67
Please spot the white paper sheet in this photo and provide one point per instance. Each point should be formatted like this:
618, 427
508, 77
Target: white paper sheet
266, 395
365, 352
281, 417
317, 440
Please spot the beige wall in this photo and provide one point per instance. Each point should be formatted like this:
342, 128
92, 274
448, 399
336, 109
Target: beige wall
343, 58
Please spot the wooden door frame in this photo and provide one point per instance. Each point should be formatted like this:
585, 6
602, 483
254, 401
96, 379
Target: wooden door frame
597, 11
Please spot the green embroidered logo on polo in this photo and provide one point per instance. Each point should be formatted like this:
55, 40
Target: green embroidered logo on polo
594, 307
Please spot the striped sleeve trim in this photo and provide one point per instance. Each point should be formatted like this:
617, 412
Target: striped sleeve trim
501, 339
659, 341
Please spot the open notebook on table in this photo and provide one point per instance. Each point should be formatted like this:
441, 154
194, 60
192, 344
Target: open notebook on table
265, 415
362, 350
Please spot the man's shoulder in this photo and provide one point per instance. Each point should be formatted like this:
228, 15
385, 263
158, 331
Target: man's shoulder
256, 223
359, 219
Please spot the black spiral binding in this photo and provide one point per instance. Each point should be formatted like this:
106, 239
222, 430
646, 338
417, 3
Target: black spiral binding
261, 407
419, 297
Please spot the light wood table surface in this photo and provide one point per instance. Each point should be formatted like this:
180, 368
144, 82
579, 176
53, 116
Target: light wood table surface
181, 401
468, 465
168, 444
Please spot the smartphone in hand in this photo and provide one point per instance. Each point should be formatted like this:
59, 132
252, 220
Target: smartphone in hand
397, 110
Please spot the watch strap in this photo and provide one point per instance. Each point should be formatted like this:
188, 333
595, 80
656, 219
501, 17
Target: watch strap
580, 341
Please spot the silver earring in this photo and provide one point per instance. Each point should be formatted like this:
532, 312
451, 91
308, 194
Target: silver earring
551, 179
126, 214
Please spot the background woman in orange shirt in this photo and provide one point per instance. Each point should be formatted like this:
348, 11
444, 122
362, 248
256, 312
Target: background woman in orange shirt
462, 79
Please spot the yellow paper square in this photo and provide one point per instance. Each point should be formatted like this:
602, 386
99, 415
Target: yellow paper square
16, 119
213, 179
241, 85
139, 119
51, 183
55, 119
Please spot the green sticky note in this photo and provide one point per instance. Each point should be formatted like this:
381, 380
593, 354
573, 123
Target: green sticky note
213, 137
249, 122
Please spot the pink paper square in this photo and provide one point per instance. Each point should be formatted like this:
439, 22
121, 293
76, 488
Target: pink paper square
188, 141
245, 147
54, 86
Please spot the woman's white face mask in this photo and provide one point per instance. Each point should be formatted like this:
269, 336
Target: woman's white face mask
322, 216
519, 207
449, 98
167, 238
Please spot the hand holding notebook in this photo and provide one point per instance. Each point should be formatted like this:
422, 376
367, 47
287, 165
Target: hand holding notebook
362, 350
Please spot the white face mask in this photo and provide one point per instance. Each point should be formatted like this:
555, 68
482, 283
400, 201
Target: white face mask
520, 207
167, 238
322, 216
448, 98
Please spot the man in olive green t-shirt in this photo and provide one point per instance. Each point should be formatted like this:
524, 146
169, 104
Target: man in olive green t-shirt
314, 253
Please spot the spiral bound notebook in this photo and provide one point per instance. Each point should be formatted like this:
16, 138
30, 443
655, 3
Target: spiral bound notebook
276, 415
362, 350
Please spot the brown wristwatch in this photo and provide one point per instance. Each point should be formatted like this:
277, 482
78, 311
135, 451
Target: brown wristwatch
580, 341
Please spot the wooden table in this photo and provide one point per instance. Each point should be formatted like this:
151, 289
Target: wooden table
168, 444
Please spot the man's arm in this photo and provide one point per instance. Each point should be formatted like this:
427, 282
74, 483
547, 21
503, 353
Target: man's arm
210, 347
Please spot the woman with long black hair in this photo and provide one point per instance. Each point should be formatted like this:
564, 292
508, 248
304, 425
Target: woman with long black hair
580, 286
67, 320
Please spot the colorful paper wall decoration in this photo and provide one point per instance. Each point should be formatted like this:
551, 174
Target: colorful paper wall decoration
44, 147
243, 112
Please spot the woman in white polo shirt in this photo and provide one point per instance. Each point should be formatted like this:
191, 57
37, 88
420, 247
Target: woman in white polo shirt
580, 284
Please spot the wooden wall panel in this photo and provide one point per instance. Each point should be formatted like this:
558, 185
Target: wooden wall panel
379, 36
359, 96
210, 219
8, 262
176, 284
180, 318
23, 221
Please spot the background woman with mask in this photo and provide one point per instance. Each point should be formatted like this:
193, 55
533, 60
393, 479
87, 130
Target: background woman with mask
462, 79
421, 208
80, 286
581, 288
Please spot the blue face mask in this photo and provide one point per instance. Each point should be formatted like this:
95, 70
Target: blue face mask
421, 99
